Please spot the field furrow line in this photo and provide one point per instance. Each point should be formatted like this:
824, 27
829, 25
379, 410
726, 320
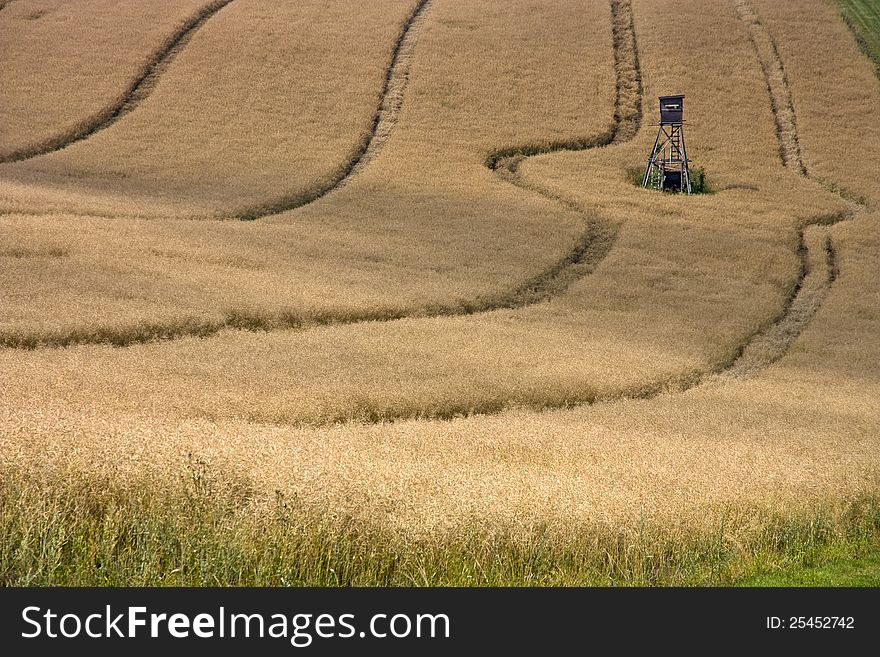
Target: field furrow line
138, 89
393, 91
777, 86
598, 237
817, 274
382, 124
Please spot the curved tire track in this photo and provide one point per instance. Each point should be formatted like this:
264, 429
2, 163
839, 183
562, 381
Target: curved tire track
383, 122
598, 237
818, 266
139, 88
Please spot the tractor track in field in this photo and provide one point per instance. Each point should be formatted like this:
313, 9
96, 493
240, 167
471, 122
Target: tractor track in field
138, 89
599, 236
384, 119
815, 250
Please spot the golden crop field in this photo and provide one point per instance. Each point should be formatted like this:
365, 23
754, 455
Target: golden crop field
382, 265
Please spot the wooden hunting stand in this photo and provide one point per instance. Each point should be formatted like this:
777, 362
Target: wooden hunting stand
668, 164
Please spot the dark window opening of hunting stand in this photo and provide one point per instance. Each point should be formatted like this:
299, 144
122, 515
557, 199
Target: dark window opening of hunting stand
668, 163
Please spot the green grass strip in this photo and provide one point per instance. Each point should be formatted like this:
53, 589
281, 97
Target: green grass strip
863, 18
825, 570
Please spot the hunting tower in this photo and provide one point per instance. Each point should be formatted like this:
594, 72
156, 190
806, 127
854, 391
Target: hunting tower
668, 163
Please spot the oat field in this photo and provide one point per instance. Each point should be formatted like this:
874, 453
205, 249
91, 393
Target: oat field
361, 292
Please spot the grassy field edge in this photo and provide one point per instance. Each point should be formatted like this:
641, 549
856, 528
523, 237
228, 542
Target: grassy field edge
862, 17
203, 528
